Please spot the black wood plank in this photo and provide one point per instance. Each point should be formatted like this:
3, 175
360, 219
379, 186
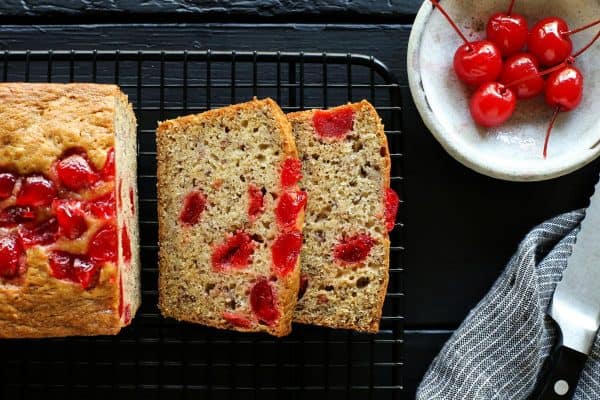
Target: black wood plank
213, 10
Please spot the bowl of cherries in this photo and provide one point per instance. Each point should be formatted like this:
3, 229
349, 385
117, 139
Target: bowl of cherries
510, 88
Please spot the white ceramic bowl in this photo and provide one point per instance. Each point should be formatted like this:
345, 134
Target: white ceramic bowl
512, 151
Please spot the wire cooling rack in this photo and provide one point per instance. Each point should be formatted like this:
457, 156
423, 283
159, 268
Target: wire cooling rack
158, 358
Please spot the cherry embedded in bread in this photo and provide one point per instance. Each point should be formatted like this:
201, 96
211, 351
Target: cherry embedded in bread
103, 245
7, 184
71, 218
521, 73
508, 31
11, 255
291, 172
125, 245
103, 207
193, 206
255, 202
238, 320
262, 302
492, 104
75, 268
124, 309
288, 207
333, 124
36, 191
75, 172
353, 249
127, 314
61, 264
121, 298
119, 194
233, 253
391, 208
44, 233
108, 170
85, 272
13, 215
303, 286
285, 251
132, 200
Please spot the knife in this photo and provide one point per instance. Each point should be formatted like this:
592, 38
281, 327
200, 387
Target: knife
575, 307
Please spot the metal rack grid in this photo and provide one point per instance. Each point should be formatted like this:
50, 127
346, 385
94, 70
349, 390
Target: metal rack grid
159, 358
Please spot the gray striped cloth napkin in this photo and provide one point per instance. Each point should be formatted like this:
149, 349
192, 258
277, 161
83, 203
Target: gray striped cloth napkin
499, 349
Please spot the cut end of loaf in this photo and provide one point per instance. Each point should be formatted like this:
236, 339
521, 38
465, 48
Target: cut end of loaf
219, 184
79, 140
345, 258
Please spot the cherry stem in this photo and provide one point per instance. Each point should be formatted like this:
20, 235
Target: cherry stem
583, 28
542, 73
510, 8
570, 60
437, 5
556, 111
587, 46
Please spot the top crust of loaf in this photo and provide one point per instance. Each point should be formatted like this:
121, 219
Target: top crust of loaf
180, 124
181, 132
38, 122
335, 316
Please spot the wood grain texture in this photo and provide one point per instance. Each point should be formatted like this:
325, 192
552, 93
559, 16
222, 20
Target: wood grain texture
214, 9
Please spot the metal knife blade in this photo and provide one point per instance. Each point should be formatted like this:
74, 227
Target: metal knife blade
576, 302
575, 307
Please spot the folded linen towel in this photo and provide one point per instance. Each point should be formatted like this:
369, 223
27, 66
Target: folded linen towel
499, 349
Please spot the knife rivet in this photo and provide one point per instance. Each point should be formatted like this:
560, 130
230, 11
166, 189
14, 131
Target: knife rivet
561, 387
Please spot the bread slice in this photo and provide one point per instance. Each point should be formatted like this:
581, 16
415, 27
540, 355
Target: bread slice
226, 259
345, 257
69, 260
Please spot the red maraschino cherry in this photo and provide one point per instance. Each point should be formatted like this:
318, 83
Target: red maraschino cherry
564, 88
7, 184
492, 104
564, 91
475, 63
508, 31
76, 173
549, 40
11, 255
36, 191
519, 66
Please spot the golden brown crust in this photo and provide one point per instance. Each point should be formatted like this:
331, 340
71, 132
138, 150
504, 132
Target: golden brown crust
167, 133
38, 122
39, 305
302, 125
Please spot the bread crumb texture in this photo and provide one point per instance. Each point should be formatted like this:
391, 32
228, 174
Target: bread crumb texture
346, 176
218, 188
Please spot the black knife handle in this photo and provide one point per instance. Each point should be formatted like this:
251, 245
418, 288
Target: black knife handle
559, 378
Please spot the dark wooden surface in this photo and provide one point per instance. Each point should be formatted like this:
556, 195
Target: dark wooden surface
212, 9
461, 227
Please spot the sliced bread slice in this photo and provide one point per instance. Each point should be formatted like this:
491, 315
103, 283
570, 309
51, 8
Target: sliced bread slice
345, 257
230, 218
